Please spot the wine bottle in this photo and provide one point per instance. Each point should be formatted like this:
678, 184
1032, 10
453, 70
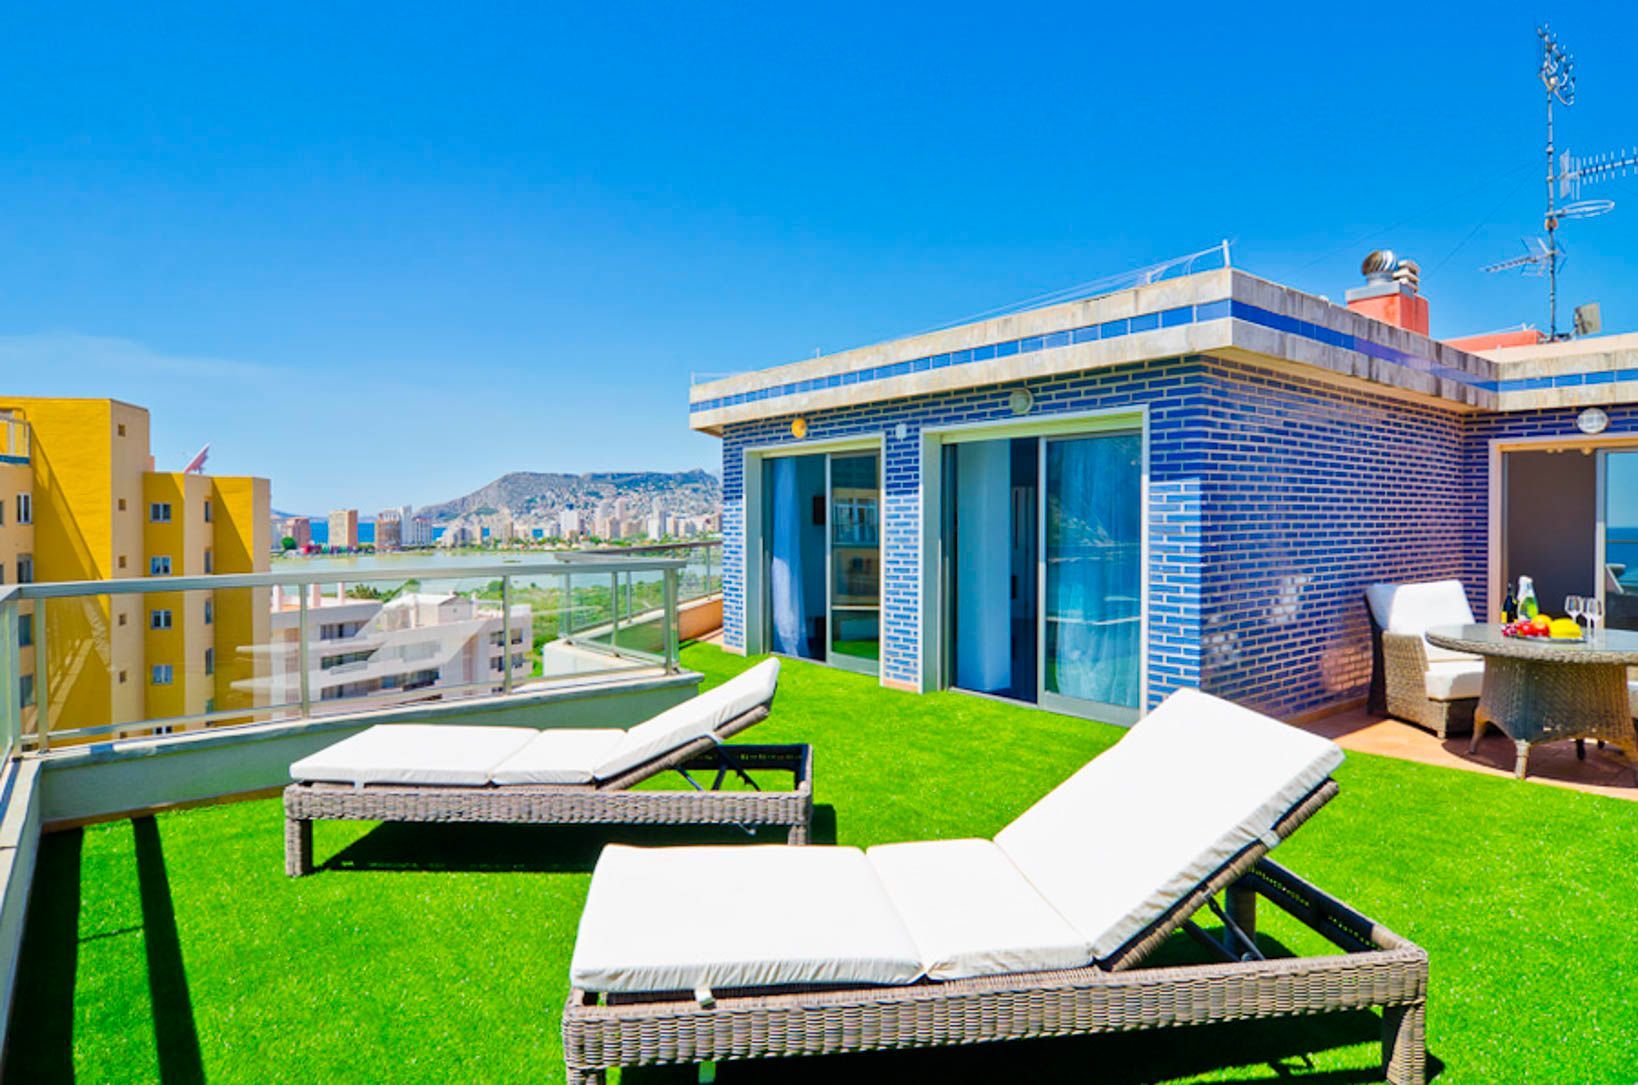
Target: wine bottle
1528, 608
1510, 606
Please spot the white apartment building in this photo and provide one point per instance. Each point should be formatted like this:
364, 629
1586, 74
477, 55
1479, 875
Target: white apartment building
443, 644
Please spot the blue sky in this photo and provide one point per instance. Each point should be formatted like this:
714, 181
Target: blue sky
383, 260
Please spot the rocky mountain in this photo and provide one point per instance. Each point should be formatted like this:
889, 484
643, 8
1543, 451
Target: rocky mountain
530, 494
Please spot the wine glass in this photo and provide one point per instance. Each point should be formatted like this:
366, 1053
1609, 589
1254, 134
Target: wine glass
1593, 608
1575, 606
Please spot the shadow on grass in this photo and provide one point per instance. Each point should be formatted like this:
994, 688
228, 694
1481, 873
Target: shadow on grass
175, 1036
40, 1039
534, 849
1283, 1048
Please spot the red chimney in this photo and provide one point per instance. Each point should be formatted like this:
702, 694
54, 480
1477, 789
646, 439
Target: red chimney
1390, 292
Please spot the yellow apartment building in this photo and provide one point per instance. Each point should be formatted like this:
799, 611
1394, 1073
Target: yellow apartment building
17, 541
98, 510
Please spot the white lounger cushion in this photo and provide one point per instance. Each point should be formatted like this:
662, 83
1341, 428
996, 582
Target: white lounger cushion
1126, 837
1416, 608
971, 913
694, 718
414, 753
1454, 679
679, 919
565, 756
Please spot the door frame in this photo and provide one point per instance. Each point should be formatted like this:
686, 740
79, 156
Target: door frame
755, 557
935, 665
1495, 513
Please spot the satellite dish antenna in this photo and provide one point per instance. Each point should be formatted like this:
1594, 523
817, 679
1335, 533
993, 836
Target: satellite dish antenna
197, 464
1589, 319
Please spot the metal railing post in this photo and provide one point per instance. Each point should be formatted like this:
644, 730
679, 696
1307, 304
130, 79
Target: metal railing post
614, 610
669, 580
11, 667
506, 634
301, 653
42, 685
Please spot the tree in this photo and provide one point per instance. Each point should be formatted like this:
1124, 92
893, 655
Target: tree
287, 543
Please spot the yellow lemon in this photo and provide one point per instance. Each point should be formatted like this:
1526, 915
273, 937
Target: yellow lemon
1564, 629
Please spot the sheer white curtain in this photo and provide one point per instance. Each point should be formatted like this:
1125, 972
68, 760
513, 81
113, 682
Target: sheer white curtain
1093, 586
785, 576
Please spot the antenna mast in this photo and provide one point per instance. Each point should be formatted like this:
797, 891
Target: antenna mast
1558, 78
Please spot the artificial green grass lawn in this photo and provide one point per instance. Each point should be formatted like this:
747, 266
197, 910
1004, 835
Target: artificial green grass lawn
175, 949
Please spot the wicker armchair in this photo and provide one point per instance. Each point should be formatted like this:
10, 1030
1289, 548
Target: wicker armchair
1412, 680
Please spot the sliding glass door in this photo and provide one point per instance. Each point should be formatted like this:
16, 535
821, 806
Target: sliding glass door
855, 561
1092, 591
822, 532
1042, 542
1618, 537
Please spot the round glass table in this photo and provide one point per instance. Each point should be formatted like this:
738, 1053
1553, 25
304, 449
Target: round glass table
1540, 690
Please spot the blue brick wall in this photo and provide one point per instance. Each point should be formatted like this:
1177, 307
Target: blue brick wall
1172, 391
1273, 502
1311, 493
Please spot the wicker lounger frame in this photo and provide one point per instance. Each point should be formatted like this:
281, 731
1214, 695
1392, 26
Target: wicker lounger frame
1379, 969
610, 802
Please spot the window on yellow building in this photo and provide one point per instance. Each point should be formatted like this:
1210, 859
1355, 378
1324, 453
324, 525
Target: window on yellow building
25, 630
122, 619
120, 429
25, 568
159, 512
25, 508
159, 566
122, 678
210, 611
210, 561
122, 561
207, 512
159, 619
162, 674
25, 689
122, 504
210, 661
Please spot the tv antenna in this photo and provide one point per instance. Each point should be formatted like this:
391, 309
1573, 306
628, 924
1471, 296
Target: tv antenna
1565, 176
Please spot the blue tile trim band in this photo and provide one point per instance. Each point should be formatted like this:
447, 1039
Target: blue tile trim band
1114, 329
14, 459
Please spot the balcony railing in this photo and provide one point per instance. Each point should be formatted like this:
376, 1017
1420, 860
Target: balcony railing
90, 660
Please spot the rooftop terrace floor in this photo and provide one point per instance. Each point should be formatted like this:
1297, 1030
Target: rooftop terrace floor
174, 949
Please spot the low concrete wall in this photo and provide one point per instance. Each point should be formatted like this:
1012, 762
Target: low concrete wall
19, 846
699, 618
85, 783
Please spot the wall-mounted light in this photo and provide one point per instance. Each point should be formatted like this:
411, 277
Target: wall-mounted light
799, 428
1020, 402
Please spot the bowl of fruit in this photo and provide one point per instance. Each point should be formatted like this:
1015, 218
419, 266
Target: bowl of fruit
1542, 627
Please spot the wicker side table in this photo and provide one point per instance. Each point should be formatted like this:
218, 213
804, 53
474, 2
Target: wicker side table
1539, 691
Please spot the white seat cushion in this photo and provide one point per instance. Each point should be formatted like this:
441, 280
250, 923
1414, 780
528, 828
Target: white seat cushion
678, 919
971, 913
694, 718
1416, 608
414, 753
1632, 695
1454, 679
1190, 786
564, 756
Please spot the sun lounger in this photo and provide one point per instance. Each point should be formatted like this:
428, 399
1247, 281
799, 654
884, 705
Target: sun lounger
1042, 931
430, 772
